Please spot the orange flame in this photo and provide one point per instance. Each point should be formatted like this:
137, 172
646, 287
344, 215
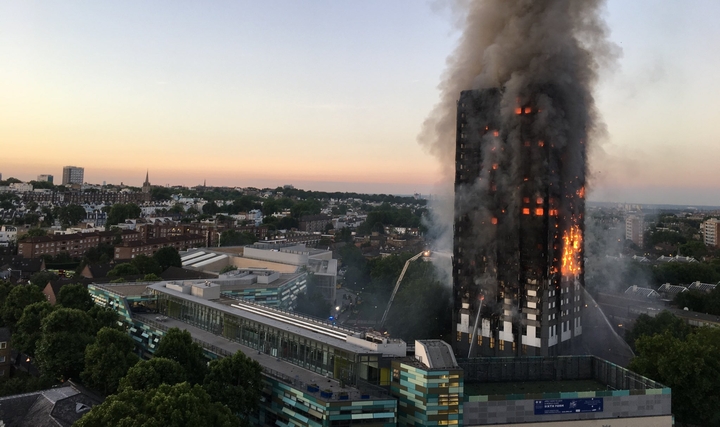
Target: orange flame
572, 245
581, 192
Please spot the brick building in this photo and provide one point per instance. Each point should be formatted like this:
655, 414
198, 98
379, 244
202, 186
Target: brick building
314, 223
130, 249
74, 244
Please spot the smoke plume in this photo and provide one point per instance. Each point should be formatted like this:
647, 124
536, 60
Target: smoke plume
519, 46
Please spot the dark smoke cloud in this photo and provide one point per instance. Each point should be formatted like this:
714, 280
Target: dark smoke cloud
518, 45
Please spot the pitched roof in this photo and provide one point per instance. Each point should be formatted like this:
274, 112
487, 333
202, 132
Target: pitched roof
61, 406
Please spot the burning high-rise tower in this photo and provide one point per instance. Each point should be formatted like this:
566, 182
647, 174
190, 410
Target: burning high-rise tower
519, 204
515, 147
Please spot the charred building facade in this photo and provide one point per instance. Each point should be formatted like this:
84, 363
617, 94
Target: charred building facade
518, 228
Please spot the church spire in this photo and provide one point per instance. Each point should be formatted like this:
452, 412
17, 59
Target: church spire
146, 185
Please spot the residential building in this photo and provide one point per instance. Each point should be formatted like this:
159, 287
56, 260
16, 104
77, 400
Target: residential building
21, 187
132, 248
45, 178
74, 244
635, 229
314, 223
711, 232
518, 231
5, 352
19, 269
73, 175
8, 235
59, 406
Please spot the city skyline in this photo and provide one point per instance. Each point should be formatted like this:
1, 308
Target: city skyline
322, 96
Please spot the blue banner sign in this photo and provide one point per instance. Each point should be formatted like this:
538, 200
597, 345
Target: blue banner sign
568, 406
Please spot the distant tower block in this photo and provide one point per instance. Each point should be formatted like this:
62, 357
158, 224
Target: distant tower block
73, 175
518, 235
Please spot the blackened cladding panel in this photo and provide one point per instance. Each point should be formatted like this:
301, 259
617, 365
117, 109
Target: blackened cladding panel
515, 195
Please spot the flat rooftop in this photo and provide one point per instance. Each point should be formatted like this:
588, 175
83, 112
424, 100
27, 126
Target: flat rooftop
289, 373
532, 387
126, 289
234, 281
305, 327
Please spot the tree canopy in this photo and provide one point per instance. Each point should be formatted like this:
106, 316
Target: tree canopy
119, 212
167, 257
75, 295
176, 405
18, 298
28, 329
236, 238
152, 373
178, 345
108, 359
235, 382
689, 366
71, 214
649, 326
61, 348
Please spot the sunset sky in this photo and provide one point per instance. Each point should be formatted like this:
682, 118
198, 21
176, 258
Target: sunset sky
323, 95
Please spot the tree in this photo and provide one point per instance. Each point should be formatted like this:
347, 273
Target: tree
119, 212
42, 278
235, 382
35, 232
287, 222
146, 264
269, 207
176, 405
75, 295
28, 329
160, 193
149, 374
108, 359
210, 208
235, 238
660, 324
690, 367
103, 317
344, 235
167, 257
178, 345
19, 297
306, 207
61, 348
422, 306
124, 269
103, 253
71, 214
177, 209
